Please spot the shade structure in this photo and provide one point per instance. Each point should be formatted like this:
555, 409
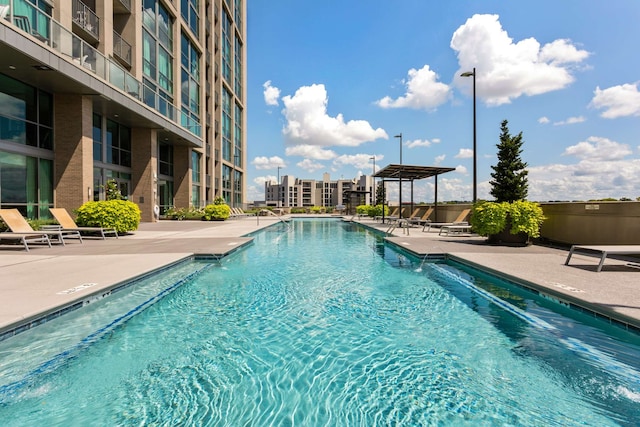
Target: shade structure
411, 173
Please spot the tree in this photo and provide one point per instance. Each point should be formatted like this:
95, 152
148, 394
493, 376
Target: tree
381, 194
509, 181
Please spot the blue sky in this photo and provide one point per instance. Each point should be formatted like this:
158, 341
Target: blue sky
330, 83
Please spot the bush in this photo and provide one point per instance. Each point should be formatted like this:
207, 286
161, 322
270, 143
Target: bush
362, 209
216, 212
122, 215
183, 213
521, 216
376, 210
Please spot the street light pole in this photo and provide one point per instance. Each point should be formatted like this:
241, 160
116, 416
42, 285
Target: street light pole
400, 174
475, 168
373, 195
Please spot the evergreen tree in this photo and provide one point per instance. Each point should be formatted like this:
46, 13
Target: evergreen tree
381, 194
509, 181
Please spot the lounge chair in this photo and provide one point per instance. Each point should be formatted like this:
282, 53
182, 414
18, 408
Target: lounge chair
392, 216
460, 220
423, 219
24, 239
68, 224
17, 224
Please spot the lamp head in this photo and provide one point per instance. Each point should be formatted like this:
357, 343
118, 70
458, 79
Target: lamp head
468, 74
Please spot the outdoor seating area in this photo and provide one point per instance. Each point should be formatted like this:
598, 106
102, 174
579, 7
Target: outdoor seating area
67, 224
24, 233
461, 220
604, 251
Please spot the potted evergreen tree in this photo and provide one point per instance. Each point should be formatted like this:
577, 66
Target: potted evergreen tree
510, 219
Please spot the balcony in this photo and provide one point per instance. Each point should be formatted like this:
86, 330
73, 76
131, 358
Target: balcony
122, 49
122, 6
37, 24
86, 19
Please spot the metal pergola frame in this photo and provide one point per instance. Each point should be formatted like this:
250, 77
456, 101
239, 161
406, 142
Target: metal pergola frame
411, 173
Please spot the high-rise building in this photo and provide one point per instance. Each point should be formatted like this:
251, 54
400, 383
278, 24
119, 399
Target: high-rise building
148, 93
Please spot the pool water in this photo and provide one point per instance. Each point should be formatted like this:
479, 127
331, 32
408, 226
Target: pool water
319, 323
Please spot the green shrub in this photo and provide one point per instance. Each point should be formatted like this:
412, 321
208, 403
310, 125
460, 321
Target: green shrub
489, 218
184, 213
216, 212
122, 215
362, 209
376, 210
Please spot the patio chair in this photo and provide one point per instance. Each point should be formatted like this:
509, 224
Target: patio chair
17, 224
24, 239
423, 219
68, 224
460, 220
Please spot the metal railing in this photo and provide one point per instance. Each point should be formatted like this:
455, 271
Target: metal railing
86, 18
121, 48
41, 26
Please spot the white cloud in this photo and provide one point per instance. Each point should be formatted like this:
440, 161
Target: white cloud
617, 101
570, 121
268, 162
360, 161
421, 143
271, 93
424, 92
261, 180
311, 152
461, 170
308, 122
543, 120
598, 149
464, 153
309, 165
585, 180
506, 70
439, 159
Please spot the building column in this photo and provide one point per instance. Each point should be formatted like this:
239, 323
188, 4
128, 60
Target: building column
73, 158
144, 171
182, 176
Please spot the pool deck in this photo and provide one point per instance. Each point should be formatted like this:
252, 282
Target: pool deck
44, 280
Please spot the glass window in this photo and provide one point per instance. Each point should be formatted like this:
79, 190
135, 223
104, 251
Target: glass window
97, 138
26, 183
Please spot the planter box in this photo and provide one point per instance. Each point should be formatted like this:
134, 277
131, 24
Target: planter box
506, 238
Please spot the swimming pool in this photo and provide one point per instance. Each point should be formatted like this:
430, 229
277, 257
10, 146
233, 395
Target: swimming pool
320, 323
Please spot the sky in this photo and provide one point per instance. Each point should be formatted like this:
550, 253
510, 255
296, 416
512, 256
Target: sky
331, 83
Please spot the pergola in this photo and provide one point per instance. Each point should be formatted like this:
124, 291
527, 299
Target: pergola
411, 173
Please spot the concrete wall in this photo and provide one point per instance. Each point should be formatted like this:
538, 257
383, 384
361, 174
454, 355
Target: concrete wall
594, 223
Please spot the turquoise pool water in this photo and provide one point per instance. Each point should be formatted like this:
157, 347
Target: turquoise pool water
321, 324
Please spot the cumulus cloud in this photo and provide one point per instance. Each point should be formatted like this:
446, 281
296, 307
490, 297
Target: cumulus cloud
505, 69
268, 162
308, 122
271, 93
570, 121
261, 180
586, 180
617, 101
422, 143
309, 165
464, 153
461, 170
360, 161
598, 149
543, 120
311, 152
424, 92
439, 159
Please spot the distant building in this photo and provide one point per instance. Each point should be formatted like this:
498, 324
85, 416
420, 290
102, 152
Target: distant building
149, 93
294, 192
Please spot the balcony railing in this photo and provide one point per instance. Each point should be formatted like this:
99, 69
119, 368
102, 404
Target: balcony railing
121, 48
41, 26
86, 18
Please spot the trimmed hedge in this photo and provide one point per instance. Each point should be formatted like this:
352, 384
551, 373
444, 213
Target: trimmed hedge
122, 215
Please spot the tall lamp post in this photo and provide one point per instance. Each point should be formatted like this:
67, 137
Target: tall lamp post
400, 175
475, 168
373, 195
279, 186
